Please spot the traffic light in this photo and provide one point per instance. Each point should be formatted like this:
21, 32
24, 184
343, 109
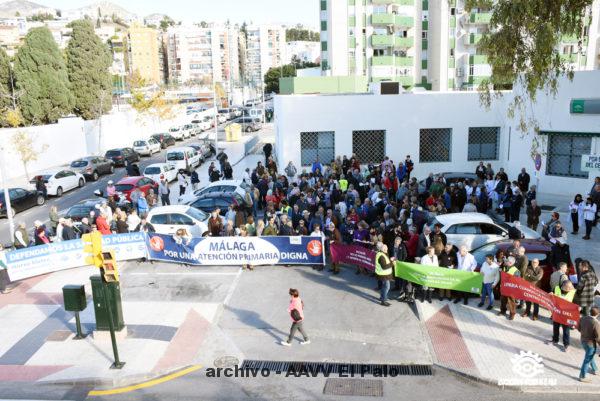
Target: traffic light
110, 271
92, 245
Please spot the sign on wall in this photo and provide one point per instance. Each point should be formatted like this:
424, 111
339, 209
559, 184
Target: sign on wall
590, 163
585, 106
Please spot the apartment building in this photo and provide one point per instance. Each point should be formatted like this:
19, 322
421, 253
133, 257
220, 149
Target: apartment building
303, 51
265, 48
428, 43
143, 56
198, 55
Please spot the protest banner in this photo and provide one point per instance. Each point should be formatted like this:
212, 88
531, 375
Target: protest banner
355, 255
563, 311
440, 277
225, 251
42, 259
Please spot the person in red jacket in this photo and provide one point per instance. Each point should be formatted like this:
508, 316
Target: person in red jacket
102, 224
412, 244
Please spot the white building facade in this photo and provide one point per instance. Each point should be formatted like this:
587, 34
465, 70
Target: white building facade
303, 51
445, 132
265, 48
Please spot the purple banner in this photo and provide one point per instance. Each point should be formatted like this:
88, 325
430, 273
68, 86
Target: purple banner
353, 255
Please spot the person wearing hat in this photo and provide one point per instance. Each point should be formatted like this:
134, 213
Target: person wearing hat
21, 238
111, 190
509, 302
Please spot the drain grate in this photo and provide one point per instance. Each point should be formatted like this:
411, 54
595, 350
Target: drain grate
354, 387
349, 369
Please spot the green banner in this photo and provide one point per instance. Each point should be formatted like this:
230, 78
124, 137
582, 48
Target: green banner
440, 277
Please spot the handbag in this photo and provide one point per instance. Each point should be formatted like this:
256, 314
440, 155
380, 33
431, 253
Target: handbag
295, 314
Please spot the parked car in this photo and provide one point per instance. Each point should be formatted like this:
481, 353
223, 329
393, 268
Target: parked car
473, 229
165, 140
211, 201
127, 185
93, 166
146, 146
20, 199
205, 149
158, 171
60, 181
176, 133
82, 209
120, 155
188, 130
183, 158
203, 124
221, 118
224, 186
168, 219
534, 248
249, 124
450, 178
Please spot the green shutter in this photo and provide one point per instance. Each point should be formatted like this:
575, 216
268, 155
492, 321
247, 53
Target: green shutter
323, 25
324, 46
425, 25
425, 5
424, 64
323, 5
424, 44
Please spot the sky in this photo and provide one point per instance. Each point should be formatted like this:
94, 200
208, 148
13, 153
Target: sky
289, 12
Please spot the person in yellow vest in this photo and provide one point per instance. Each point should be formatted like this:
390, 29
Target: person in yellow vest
343, 183
384, 273
509, 302
566, 292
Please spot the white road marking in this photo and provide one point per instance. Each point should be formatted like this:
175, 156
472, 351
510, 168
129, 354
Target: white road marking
232, 287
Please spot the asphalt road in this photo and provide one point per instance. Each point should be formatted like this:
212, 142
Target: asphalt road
87, 192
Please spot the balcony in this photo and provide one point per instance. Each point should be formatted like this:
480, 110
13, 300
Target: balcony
476, 79
390, 40
398, 2
451, 62
480, 18
393, 61
473, 38
352, 42
478, 59
392, 19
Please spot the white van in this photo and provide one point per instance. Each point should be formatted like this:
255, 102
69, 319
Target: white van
183, 158
256, 113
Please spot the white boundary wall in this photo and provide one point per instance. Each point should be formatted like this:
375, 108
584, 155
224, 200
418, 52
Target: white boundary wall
401, 116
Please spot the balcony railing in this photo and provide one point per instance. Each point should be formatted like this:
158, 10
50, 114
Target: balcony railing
478, 59
392, 60
480, 18
390, 40
392, 19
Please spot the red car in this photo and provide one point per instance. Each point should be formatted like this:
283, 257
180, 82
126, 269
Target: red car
534, 248
128, 184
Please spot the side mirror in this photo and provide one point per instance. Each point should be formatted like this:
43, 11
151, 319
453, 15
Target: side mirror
99, 193
504, 234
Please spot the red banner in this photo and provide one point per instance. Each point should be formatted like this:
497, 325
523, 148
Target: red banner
353, 255
563, 311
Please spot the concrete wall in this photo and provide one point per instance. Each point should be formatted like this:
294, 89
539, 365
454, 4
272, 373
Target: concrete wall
71, 138
339, 84
402, 116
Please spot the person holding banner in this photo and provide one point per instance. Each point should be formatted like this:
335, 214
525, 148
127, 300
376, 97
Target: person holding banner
334, 237
447, 259
384, 273
509, 302
533, 273
429, 259
491, 276
465, 261
566, 292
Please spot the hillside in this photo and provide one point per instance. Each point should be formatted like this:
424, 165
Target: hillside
24, 8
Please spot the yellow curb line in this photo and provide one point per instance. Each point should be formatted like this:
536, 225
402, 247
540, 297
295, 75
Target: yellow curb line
149, 383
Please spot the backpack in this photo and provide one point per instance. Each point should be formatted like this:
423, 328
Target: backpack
295, 314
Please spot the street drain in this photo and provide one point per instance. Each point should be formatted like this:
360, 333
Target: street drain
346, 369
354, 387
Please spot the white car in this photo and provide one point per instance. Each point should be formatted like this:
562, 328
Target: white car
60, 181
176, 133
203, 124
237, 186
157, 171
475, 229
187, 130
221, 118
168, 219
146, 146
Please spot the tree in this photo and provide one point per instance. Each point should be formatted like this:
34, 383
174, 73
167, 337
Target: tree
88, 63
522, 47
166, 22
273, 74
300, 33
24, 144
153, 105
6, 84
40, 72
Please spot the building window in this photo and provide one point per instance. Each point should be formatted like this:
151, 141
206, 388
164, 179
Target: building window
323, 5
435, 145
484, 143
317, 144
564, 154
423, 34
369, 145
324, 46
323, 25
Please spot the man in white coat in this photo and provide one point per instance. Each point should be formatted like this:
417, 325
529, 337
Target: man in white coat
465, 261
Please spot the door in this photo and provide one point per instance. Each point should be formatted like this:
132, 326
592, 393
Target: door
170, 172
465, 234
17, 199
161, 223
71, 179
492, 232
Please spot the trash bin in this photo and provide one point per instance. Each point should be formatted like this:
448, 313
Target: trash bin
74, 298
101, 304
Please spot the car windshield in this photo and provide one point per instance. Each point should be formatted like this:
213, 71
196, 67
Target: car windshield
123, 187
111, 153
152, 170
197, 214
79, 211
139, 143
173, 156
480, 253
79, 163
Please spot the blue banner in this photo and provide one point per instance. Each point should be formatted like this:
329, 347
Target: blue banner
236, 250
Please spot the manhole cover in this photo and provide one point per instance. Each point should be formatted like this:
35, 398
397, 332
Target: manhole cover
226, 361
354, 387
59, 335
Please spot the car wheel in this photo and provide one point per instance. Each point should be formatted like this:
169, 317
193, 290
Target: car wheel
112, 169
59, 192
13, 212
95, 176
81, 182
40, 200
248, 129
